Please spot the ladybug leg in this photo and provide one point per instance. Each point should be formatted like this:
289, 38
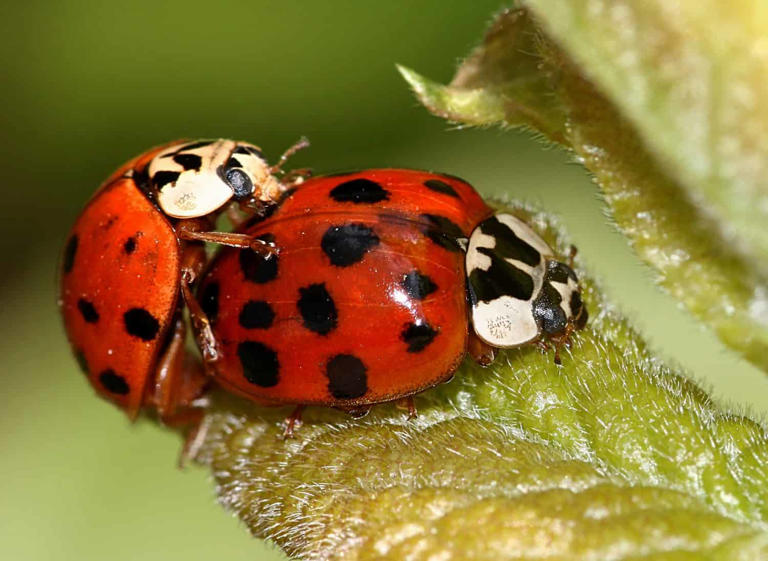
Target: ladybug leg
296, 177
232, 239
179, 381
193, 261
572, 255
408, 404
293, 421
300, 144
480, 351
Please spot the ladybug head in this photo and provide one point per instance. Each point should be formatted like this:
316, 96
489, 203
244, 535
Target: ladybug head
194, 179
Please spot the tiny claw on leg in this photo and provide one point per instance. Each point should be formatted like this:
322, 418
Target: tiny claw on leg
293, 421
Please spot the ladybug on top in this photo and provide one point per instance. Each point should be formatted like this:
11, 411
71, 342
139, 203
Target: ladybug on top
345, 290
134, 256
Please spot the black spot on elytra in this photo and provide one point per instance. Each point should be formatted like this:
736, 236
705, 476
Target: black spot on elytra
188, 161
417, 336
114, 383
195, 145
130, 245
347, 244
256, 314
88, 310
559, 272
442, 231
359, 191
418, 285
441, 187
501, 279
260, 364
547, 311
209, 301
347, 377
508, 245
256, 267
317, 309
162, 178
70, 251
140, 323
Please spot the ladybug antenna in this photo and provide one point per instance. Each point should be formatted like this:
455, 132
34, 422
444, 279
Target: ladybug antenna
300, 144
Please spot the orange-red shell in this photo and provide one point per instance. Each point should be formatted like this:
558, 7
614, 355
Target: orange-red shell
120, 287
364, 304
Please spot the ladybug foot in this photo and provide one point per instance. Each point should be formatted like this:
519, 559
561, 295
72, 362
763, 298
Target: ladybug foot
293, 422
407, 404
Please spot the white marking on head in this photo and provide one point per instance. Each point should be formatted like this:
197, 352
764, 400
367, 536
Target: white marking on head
506, 321
198, 178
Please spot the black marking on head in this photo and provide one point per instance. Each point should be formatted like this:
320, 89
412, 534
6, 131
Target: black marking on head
140, 323
114, 383
547, 311
195, 145
501, 279
188, 161
81, 362
560, 272
576, 303
347, 377
233, 163
241, 184
347, 244
508, 245
162, 178
256, 267
260, 364
417, 285
418, 335
441, 187
317, 309
70, 251
130, 245
209, 301
256, 314
252, 150
359, 191
442, 231
88, 311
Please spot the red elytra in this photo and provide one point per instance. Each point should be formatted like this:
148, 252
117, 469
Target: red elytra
365, 302
133, 258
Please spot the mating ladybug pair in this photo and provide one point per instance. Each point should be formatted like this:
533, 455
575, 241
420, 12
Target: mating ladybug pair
343, 290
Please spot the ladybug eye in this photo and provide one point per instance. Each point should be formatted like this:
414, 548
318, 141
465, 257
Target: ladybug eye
240, 182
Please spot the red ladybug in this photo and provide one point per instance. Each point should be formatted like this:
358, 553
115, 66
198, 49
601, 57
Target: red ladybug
369, 297
134, 256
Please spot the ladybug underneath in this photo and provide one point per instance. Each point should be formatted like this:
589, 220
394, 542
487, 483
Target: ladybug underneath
134, 256
369, 297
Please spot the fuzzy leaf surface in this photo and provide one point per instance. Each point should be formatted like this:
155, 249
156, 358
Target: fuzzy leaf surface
609, 456
691, 249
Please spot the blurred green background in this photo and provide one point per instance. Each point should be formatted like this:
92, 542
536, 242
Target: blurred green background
88, 85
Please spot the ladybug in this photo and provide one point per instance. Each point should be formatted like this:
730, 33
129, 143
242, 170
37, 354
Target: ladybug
370, 298
132, 260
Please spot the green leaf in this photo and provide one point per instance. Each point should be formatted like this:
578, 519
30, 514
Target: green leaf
609, 456
700, 257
